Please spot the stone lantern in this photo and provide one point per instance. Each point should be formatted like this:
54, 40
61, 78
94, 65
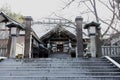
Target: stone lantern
14, 33
92, 31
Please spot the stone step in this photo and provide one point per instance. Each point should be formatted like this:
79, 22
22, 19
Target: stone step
59, 67
50, 63
60, 78
60, 71
82, 58
66, 62
62, 61
72, 67
53, 63
56, 69
78, 62
59, 74
56, 59
65, 69
57, 64
108, 76
59, 61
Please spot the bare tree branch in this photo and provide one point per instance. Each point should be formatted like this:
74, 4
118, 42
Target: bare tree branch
65, 19
109, 26
82, 1
95, 10
69, 4
112, 20
98, 18
91, 3
110, 6
113, 7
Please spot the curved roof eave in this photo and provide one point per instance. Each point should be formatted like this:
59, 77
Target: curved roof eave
48, 34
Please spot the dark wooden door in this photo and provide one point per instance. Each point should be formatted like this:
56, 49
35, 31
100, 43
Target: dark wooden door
60, 48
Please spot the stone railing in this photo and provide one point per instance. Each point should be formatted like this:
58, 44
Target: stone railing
112, 51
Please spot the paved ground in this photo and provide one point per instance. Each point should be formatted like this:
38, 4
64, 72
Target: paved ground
59, 55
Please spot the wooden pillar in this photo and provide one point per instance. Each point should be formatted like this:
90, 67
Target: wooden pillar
49, 47
28, 39
70, 45
79, 36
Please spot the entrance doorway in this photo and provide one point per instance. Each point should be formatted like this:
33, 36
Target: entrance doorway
59, 47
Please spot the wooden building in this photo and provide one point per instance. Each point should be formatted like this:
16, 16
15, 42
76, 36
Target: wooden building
60, 40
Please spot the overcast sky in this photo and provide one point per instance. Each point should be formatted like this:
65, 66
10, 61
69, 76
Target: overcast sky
41, 8
36, 8
44, 8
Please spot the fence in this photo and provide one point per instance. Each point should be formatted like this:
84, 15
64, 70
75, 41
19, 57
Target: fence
3, 51
3, 47
112, 51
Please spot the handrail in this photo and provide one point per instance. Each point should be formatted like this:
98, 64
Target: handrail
113, 61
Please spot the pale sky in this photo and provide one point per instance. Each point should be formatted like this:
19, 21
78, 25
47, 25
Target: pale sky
34, 8
39, 9
44, 8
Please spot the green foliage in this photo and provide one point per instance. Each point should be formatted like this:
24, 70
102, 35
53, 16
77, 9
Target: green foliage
16, 16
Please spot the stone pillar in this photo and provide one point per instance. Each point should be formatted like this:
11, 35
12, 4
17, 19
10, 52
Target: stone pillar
98, 42
13, 47
93, 48
79, 36
28, 39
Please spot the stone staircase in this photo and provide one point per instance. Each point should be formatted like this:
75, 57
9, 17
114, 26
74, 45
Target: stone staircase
58, 69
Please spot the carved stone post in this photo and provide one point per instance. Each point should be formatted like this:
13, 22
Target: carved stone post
28, 39
79, 36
